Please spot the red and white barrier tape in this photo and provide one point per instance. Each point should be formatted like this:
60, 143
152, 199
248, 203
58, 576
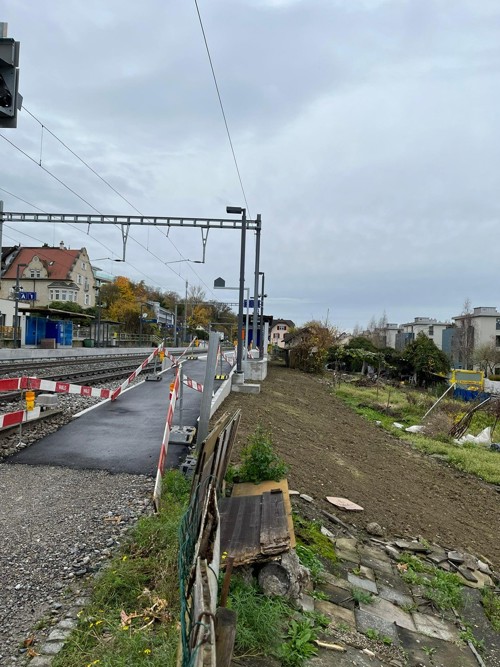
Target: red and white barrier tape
186, 350
166, 437
192, 383
124, 385
18, 417
13, 384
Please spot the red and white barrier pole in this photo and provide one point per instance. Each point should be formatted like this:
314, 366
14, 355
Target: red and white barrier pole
18, 417
13, 384
139, 369
164, 444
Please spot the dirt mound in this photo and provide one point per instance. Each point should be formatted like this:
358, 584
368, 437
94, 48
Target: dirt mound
333, 451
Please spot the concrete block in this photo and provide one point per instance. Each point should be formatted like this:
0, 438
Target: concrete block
339, 615
367, 621
432, 626
47, 400
364, 584
246, 388
390, 612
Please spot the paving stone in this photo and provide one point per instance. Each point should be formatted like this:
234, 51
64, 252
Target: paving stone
368, 621
350, 555
395, 596
367, 572
327, 533
331, 579
337, 595
375, 559
349, 543
456, 557
482, 580
58, 635
392, 552
361, 582
52, 648
390, 612
422, 651
41, 661
467, 574
336, 613
432, 626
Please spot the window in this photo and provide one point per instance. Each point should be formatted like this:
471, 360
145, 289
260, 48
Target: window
497, 341
498, 323
79, 279
281, 327
431, 330
84, 266
87, 299
64, 295
35, 273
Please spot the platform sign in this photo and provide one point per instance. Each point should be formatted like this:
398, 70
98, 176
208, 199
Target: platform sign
250, 303
26, 296
150, 321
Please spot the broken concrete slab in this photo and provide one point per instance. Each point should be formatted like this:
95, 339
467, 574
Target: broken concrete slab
337, 595
367, 621
339, 615
361, 582
432, 626
473, 612
395, 596
332, 580
344, 504
351, 657
367, 572
390, 612
425, 651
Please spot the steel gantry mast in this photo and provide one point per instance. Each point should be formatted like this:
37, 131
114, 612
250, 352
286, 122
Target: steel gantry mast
124, 222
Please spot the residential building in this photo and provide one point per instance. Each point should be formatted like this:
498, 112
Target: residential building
278, 331
473, 330
54, 274
429, 326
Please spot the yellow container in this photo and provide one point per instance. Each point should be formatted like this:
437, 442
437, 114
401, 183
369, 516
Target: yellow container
30, 400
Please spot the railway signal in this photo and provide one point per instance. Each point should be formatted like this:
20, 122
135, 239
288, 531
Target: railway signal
10, 100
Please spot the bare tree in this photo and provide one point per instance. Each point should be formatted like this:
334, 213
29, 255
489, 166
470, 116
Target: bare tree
487, 357
463, 340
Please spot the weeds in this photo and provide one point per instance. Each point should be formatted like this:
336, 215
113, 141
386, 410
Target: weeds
309, 559
132, 617
491, 605
468, 636
259, 462
442, 589
309, 534
361, 596
375, 635
299, 646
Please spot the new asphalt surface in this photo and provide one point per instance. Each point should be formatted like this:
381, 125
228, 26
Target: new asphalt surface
123, 436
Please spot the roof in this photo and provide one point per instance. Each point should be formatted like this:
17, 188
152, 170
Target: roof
57, 261
290, 323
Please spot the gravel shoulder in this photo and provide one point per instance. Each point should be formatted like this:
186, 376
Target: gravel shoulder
57, 527
333, 451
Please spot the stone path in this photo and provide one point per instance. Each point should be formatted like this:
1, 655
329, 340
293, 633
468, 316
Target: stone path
376, 619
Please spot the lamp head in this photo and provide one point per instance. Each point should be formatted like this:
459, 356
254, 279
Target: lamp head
234, 209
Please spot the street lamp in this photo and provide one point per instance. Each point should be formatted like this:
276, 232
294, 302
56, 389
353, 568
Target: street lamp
17, 343
237, 210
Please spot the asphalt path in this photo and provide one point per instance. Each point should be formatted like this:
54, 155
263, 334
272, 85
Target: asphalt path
123, 436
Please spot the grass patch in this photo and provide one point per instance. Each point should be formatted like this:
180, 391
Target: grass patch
308, 533
259, 462
408, 407
442, 589
142, 582
261, 622
491, 605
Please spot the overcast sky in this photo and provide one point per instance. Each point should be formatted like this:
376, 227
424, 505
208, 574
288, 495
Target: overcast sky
367, 134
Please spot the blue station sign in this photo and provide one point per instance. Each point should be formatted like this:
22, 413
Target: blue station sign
26, 296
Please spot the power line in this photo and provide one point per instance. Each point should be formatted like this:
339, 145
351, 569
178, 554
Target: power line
108, 184
222, 107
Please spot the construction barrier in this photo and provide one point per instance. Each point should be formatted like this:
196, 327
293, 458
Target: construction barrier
166, 436
18, 417
192, 383
33, 383
139, 369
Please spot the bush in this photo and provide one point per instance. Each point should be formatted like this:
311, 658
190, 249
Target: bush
259, 462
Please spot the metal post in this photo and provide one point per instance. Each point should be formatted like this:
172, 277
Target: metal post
1, 232
16, 309
247, 290
262, 344
239, 351
140, 327
185, 314
175, 325
181, 395
255, 325
208, 388
98, 329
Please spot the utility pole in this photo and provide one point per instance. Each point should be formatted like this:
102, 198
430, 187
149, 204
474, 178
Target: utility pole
255, 325
185, 313
17, 336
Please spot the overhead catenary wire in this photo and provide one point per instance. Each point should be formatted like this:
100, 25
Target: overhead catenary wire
100, 213
119, 194
222, 107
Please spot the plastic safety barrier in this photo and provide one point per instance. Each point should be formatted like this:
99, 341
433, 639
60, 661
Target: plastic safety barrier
18, 417
192, 383
164, 445
25, 382
138, 370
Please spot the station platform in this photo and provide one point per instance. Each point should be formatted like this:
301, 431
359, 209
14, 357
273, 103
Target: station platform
123, 436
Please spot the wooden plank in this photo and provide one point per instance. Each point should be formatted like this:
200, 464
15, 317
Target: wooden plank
249, 489
274, 535
225, 634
